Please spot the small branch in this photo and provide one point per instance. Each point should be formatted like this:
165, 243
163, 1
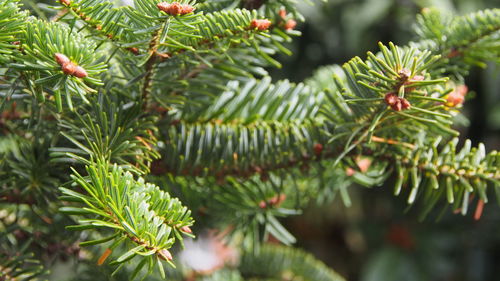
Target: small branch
391, 141
459, 50
150, 66
92, 23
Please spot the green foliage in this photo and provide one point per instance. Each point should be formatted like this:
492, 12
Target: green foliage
455, 174
11, 20
40, 42
109, 130
131, 209
185, 102
462, 41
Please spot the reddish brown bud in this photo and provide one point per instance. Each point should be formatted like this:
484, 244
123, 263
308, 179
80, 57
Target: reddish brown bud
277, 200
364, 164
262, 204
175, 8
65, 2
397, 106
260, 24
454, 53
68, 68
456, 97
396, 103
318, 148
186, 229
405, 104
290, 24
282, 13
61, 59
350, 171
165, 255
186, 9
391, 99
80, 72
133, 50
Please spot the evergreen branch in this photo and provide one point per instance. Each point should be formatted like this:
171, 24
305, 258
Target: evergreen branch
237, 149
462, 41
11, 23
250, 100
450, 173
276, 262
248, 209
27, 176
429, 173
150, 65
362, 109
48, 51
101, 17
132, 209
112, 131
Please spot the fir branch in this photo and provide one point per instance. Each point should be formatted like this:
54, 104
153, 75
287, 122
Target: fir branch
150, 65
466, 40
129, 207
196, 149
86, 11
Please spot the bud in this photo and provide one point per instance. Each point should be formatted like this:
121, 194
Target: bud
68, 68
165, 255
186, 229
397, 106
133, 50
61, 59
391, 99
282, 13
456, 97
290, 24
349, 171
262, 204
260, 24
318, 148
363, 164
186, 9
405, 104
80, 72
175, 8
65, 2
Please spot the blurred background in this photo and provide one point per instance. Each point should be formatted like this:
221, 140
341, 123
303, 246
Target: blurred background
378, 237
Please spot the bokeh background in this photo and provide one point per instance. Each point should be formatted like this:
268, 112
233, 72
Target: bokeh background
378, 237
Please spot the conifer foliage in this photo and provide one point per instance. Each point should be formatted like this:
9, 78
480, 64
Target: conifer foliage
122, 125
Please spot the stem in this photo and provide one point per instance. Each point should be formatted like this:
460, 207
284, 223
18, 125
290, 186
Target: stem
150, 65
